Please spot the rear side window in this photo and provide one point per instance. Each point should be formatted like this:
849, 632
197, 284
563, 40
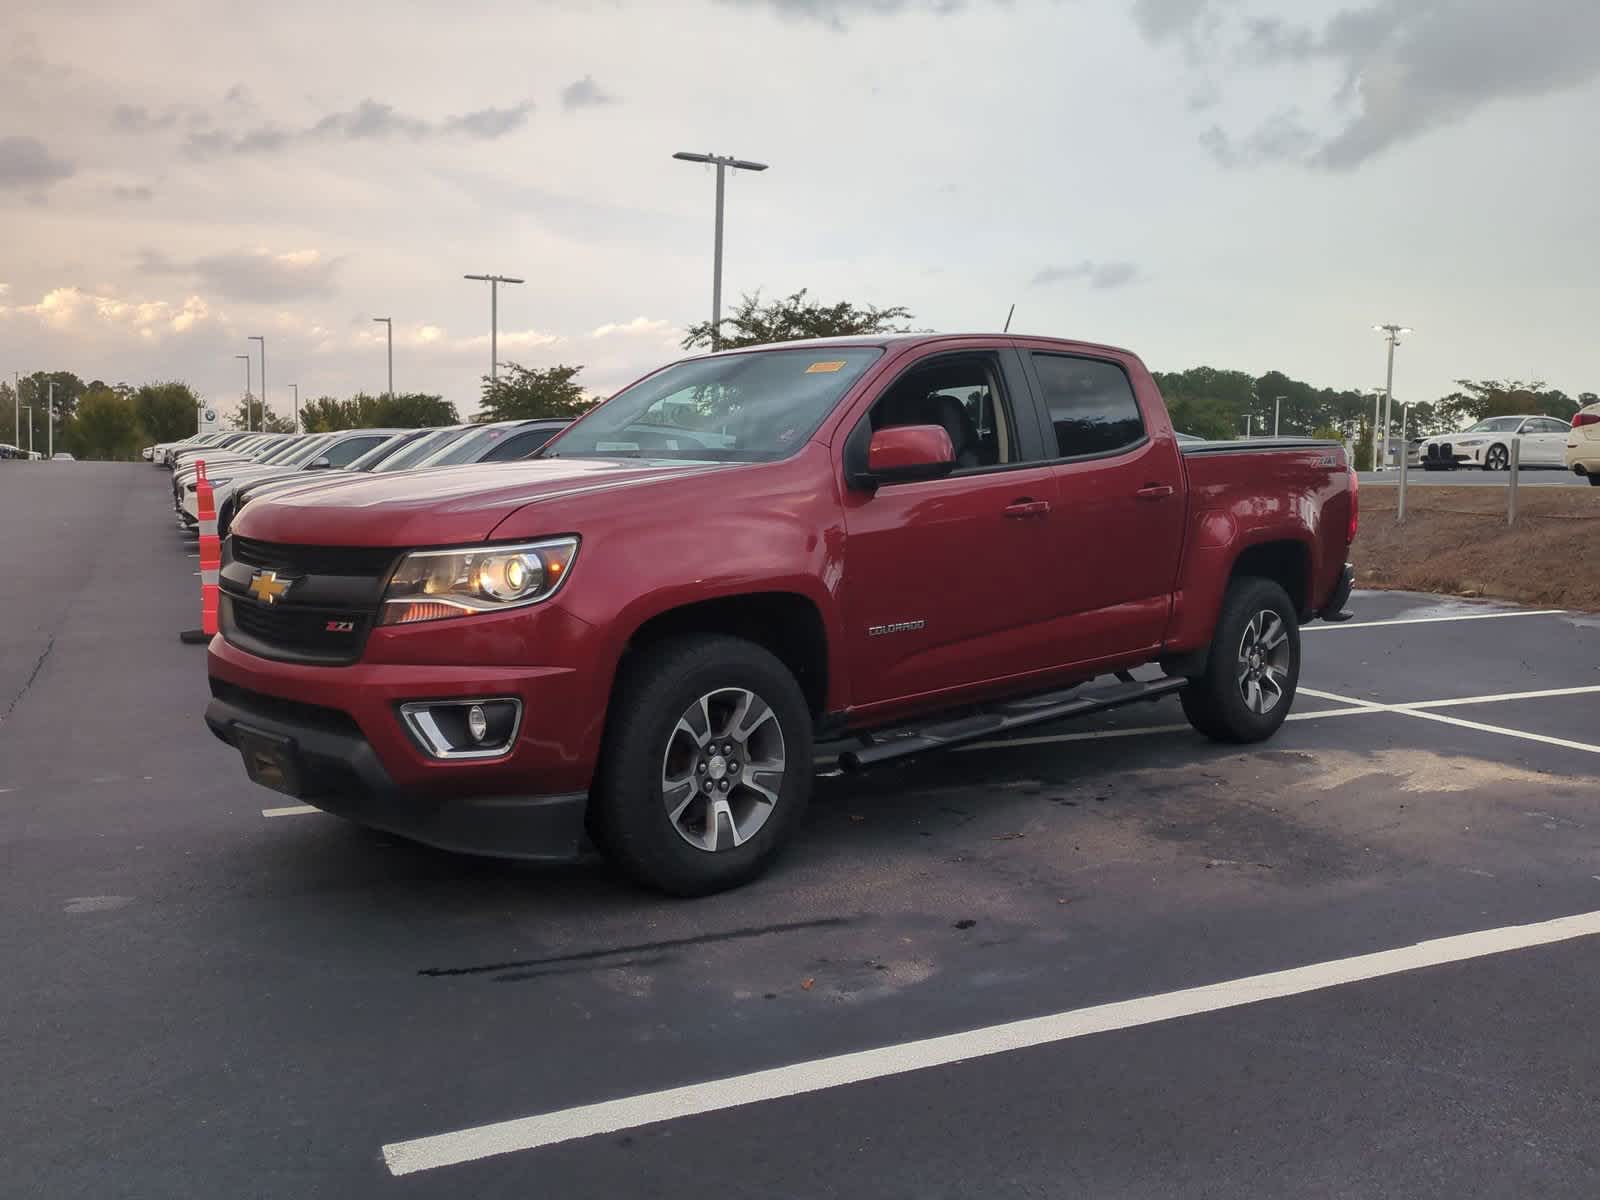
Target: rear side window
1091, 403
520, 445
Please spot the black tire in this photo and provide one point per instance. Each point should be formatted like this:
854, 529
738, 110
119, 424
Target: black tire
1215, 702
1430, 466
630, 821
1594, 478
1497, 458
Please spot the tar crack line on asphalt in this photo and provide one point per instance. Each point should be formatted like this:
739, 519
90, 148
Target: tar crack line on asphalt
699, 939
49, 645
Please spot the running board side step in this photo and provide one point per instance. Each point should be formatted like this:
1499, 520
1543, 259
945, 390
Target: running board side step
908, 740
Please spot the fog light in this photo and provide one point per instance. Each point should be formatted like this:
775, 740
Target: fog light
463, 728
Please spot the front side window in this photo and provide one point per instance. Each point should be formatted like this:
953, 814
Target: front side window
1497, 425
753, 407
962, 394
1091, 404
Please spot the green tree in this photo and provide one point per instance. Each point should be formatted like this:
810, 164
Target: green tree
325, 414
408, 410
755, 324
1479, 399
166, 411
105, 425
36, 391
524, 392
250, 415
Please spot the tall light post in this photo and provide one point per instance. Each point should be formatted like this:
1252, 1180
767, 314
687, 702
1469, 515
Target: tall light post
1277, 402
50, 425
494, 282
249, 415
722, 163
295, 388
28, 408
388, 323
1392, 334
263, 341
16, 405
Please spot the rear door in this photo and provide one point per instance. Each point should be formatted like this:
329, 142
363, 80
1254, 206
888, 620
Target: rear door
1120, 490
948, 583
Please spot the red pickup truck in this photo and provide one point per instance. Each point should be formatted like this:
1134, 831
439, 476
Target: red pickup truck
902, 543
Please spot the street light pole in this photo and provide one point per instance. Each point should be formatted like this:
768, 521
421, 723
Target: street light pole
494, 282
50, 425
263, 341
722, 163
249, 414
1392, 334
1277, 402
388, 323
28, 408
295, 388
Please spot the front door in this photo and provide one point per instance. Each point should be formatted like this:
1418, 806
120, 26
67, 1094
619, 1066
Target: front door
947, 582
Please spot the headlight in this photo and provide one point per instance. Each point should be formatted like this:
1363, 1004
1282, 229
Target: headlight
1470, 442
433, 584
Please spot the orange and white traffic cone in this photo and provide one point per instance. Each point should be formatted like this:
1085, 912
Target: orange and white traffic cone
210, 558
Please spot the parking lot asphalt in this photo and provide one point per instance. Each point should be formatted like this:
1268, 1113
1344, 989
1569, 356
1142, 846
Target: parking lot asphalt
205, 1000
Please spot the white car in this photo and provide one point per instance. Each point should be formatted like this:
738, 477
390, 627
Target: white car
1488, 444
1583, 444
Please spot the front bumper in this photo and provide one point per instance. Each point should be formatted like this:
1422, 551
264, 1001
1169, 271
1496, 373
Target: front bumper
328, 763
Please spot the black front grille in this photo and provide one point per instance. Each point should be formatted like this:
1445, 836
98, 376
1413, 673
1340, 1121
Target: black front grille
363, 562
332, 637
331, 720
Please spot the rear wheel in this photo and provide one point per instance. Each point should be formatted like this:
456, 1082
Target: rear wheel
1594, 479
707, 765
1254, 666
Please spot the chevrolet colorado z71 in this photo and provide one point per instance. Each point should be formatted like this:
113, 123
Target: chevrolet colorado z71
910, 541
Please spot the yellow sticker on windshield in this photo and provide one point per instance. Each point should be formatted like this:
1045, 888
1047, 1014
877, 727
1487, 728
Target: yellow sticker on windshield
825, 368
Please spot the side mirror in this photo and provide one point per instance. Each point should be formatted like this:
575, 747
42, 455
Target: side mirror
319, 464
909, 453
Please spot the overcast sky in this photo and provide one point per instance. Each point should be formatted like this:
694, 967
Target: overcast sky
1242, 183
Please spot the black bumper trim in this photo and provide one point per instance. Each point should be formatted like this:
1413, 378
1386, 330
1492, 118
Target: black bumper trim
340, 773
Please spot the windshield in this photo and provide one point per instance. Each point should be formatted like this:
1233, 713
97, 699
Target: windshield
756, 407
1497, 425
470, 448
307, 451
429, 444
372, 459
282, 451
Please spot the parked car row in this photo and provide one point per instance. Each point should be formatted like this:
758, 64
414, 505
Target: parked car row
262, 464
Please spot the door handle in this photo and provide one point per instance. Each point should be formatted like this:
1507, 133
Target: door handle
1027, 508
1154, 491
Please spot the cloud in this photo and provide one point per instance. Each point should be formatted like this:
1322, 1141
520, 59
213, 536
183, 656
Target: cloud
1281, 139
639, 327
490, 123
1102, 276
833, 13
585, 93
256, 275
369, 121
136, 118
25, 163
1403, 67
136, 194
71, 309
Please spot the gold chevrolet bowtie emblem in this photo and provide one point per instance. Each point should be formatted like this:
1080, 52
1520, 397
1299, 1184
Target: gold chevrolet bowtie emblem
267, 587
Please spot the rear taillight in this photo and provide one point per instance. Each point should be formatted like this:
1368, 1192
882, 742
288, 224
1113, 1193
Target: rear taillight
1586, 418
1355, 509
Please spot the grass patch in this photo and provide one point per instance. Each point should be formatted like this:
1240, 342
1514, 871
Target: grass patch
1456, 540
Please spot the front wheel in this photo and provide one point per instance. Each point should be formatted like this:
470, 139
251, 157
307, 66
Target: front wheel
707, 765
1254, 667
1498, 458
1594, 478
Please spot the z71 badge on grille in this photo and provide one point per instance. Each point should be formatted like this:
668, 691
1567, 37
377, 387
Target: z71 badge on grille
339, 627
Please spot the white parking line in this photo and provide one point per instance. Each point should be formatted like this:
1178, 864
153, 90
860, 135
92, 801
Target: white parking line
1094, 735
1491, 616
630, 1112
292, 810
1416, 709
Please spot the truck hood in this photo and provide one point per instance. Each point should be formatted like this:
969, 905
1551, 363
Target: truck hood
445, 505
